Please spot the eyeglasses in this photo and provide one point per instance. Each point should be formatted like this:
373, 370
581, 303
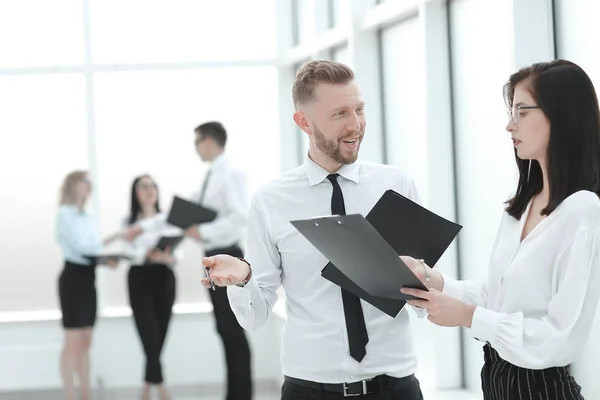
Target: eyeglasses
146, 186
514, 114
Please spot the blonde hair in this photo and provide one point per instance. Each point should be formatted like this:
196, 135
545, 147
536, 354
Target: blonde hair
312, 73
67, 189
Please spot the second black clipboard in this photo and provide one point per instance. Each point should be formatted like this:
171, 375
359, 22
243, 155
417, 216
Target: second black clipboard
169, 241
409, 229
184, 213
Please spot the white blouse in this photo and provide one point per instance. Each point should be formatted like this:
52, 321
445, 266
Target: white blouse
153, 229
538, 304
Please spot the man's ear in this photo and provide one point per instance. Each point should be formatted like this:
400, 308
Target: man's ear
302, 122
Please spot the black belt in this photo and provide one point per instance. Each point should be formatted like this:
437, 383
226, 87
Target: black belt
376, 385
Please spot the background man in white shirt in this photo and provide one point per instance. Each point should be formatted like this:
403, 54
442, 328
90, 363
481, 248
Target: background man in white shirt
225, 190
334, 345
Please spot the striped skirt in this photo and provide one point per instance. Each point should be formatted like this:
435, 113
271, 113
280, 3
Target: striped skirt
501, 380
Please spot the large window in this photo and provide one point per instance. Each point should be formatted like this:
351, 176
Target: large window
182, 30
145, 123
43, 128
52, 35
117, 89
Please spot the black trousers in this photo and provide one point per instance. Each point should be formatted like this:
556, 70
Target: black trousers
151, 297
383, 388
501, 380
237, 349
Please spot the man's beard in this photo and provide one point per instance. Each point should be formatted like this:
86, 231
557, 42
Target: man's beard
333, 149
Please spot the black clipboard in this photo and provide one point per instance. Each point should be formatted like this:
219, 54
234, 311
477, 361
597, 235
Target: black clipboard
409, 229
169, 241
184, 213
352, 244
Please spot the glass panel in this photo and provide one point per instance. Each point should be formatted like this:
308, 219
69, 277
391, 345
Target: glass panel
145, 123
182, 30
306, 20
404, 104
485, 167
341, 12
41, 33
406, 139
45, 138
342, 54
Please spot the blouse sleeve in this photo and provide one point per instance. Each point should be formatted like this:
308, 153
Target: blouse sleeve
470, 291
556, 338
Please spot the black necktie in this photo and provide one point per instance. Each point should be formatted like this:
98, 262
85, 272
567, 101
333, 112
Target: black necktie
203, 193
355, 320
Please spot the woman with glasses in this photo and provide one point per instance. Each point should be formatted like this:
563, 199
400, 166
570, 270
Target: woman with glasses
535, 311
151, 280
78, 238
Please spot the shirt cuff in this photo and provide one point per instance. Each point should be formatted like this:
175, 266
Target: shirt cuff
239, 296
485, 325
240, 299
453, 287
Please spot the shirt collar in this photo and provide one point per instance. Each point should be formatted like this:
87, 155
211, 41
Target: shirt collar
317, 174
219, 161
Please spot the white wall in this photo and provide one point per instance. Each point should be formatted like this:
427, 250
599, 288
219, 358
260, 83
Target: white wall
578, 38
29, 353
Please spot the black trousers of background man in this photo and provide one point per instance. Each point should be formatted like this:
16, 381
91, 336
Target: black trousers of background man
237, 349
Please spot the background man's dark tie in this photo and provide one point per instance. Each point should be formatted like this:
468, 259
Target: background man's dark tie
204, 185
355, 320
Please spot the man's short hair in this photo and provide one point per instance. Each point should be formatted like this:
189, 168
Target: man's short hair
312, 73
213, 129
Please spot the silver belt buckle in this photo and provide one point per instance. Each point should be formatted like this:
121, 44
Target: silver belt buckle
364, 390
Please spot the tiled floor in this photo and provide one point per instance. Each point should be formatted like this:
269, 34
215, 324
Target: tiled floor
263, 394
429, 395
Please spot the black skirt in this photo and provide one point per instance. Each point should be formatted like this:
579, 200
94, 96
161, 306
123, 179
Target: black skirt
501, 380
77, 293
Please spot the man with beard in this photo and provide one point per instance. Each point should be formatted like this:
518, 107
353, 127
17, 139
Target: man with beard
334, 344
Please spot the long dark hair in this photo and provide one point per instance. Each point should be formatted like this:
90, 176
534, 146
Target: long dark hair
566, 95
136, 208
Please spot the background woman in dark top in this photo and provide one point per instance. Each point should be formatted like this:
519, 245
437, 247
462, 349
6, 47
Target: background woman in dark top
151, 280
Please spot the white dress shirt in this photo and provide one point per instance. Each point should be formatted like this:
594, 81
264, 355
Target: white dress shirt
315, 342
538, 304
153, 228
227, 194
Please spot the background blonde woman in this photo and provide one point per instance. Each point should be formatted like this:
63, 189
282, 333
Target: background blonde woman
78, 237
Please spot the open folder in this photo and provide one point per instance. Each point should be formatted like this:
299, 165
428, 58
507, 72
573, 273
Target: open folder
184, 213
104, 259
409, 229
169, 241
